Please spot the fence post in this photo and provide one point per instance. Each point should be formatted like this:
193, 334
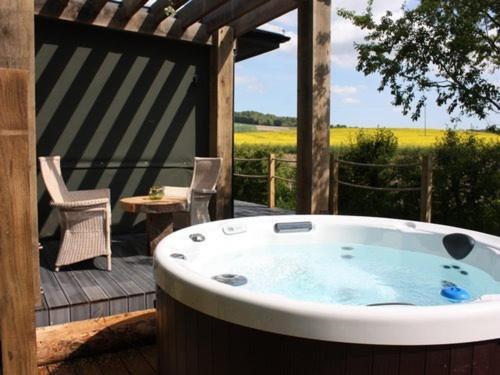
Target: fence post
271, 181
426, 190
334, 185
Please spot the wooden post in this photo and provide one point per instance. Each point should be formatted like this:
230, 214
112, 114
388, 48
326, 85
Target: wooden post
334, 185
313, 106
426, 190
17, 51
17, 315
271, 181
221, 116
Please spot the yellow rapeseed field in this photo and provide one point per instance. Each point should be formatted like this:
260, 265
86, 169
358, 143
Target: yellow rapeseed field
407, 137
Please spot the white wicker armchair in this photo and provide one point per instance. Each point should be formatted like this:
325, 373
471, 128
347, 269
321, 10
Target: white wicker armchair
85, 217
205, 175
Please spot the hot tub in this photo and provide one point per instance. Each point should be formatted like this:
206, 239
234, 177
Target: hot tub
322, 294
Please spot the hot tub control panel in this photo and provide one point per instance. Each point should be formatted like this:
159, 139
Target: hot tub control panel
234, 229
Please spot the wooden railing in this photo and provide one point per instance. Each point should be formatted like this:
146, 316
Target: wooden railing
270, 176
425, 187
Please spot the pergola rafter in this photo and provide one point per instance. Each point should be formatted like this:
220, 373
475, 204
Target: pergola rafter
196, 10
231, 11
156, 13
141, 21
192, 21
90, 10
125, 12
259, 16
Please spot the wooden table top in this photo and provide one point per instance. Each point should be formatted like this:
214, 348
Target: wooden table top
152, 206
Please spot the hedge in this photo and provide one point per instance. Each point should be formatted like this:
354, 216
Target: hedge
466, 188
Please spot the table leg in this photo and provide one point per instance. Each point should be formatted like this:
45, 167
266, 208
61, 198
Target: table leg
158, 227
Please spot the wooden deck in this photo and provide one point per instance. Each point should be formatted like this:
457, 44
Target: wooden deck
85, 290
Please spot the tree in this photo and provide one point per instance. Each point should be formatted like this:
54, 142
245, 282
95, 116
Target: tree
449, 46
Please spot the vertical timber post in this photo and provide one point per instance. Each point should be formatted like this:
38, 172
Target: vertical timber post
334, 185
19, 266
271, 181
426, 190
313, 106
17, 51
17, 298
221, 116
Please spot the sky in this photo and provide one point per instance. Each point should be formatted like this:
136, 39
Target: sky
268, 83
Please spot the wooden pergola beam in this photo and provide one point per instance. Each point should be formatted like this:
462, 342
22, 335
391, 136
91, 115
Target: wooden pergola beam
259, 16
196, 10
90, 10
125, 12
156, 14
221, 116
166, 28
313, 106
227, 13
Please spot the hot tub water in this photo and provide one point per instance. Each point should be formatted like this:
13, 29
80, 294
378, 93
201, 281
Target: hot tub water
347, 274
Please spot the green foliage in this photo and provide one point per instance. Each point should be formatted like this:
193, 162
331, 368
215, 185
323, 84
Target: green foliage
495, 129
448, 46
256, 190
466, 186
379, 148
257, 118
467, 183
251, 189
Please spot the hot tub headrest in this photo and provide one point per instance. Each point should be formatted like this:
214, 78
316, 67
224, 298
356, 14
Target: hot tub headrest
458, 245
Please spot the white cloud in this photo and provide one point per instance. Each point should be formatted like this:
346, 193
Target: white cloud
344, 90
249, 83
288, 47
346, 94
288, 20
351, 100
344, 33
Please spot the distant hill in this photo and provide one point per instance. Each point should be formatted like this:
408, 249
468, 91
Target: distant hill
258, 118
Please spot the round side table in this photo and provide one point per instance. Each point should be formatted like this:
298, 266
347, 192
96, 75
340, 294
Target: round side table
159, 215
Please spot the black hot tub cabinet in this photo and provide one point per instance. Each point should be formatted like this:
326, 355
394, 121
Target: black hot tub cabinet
206, 327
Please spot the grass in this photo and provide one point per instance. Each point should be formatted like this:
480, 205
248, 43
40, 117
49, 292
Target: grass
407, 137
244, 128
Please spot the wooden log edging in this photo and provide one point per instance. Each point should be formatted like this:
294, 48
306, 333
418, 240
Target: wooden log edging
95, 336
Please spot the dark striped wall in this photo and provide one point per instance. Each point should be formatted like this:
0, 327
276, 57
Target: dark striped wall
124, 111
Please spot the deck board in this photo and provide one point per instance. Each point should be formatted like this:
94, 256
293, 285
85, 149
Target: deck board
79, 303
86, 290
118, 299
57, 303
99, 301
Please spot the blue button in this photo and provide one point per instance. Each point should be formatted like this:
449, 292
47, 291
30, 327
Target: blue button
455, 294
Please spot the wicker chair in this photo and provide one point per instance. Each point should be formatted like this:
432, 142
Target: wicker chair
205, 175
85, 217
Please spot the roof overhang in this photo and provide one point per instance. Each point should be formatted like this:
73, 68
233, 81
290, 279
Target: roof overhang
258, 42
